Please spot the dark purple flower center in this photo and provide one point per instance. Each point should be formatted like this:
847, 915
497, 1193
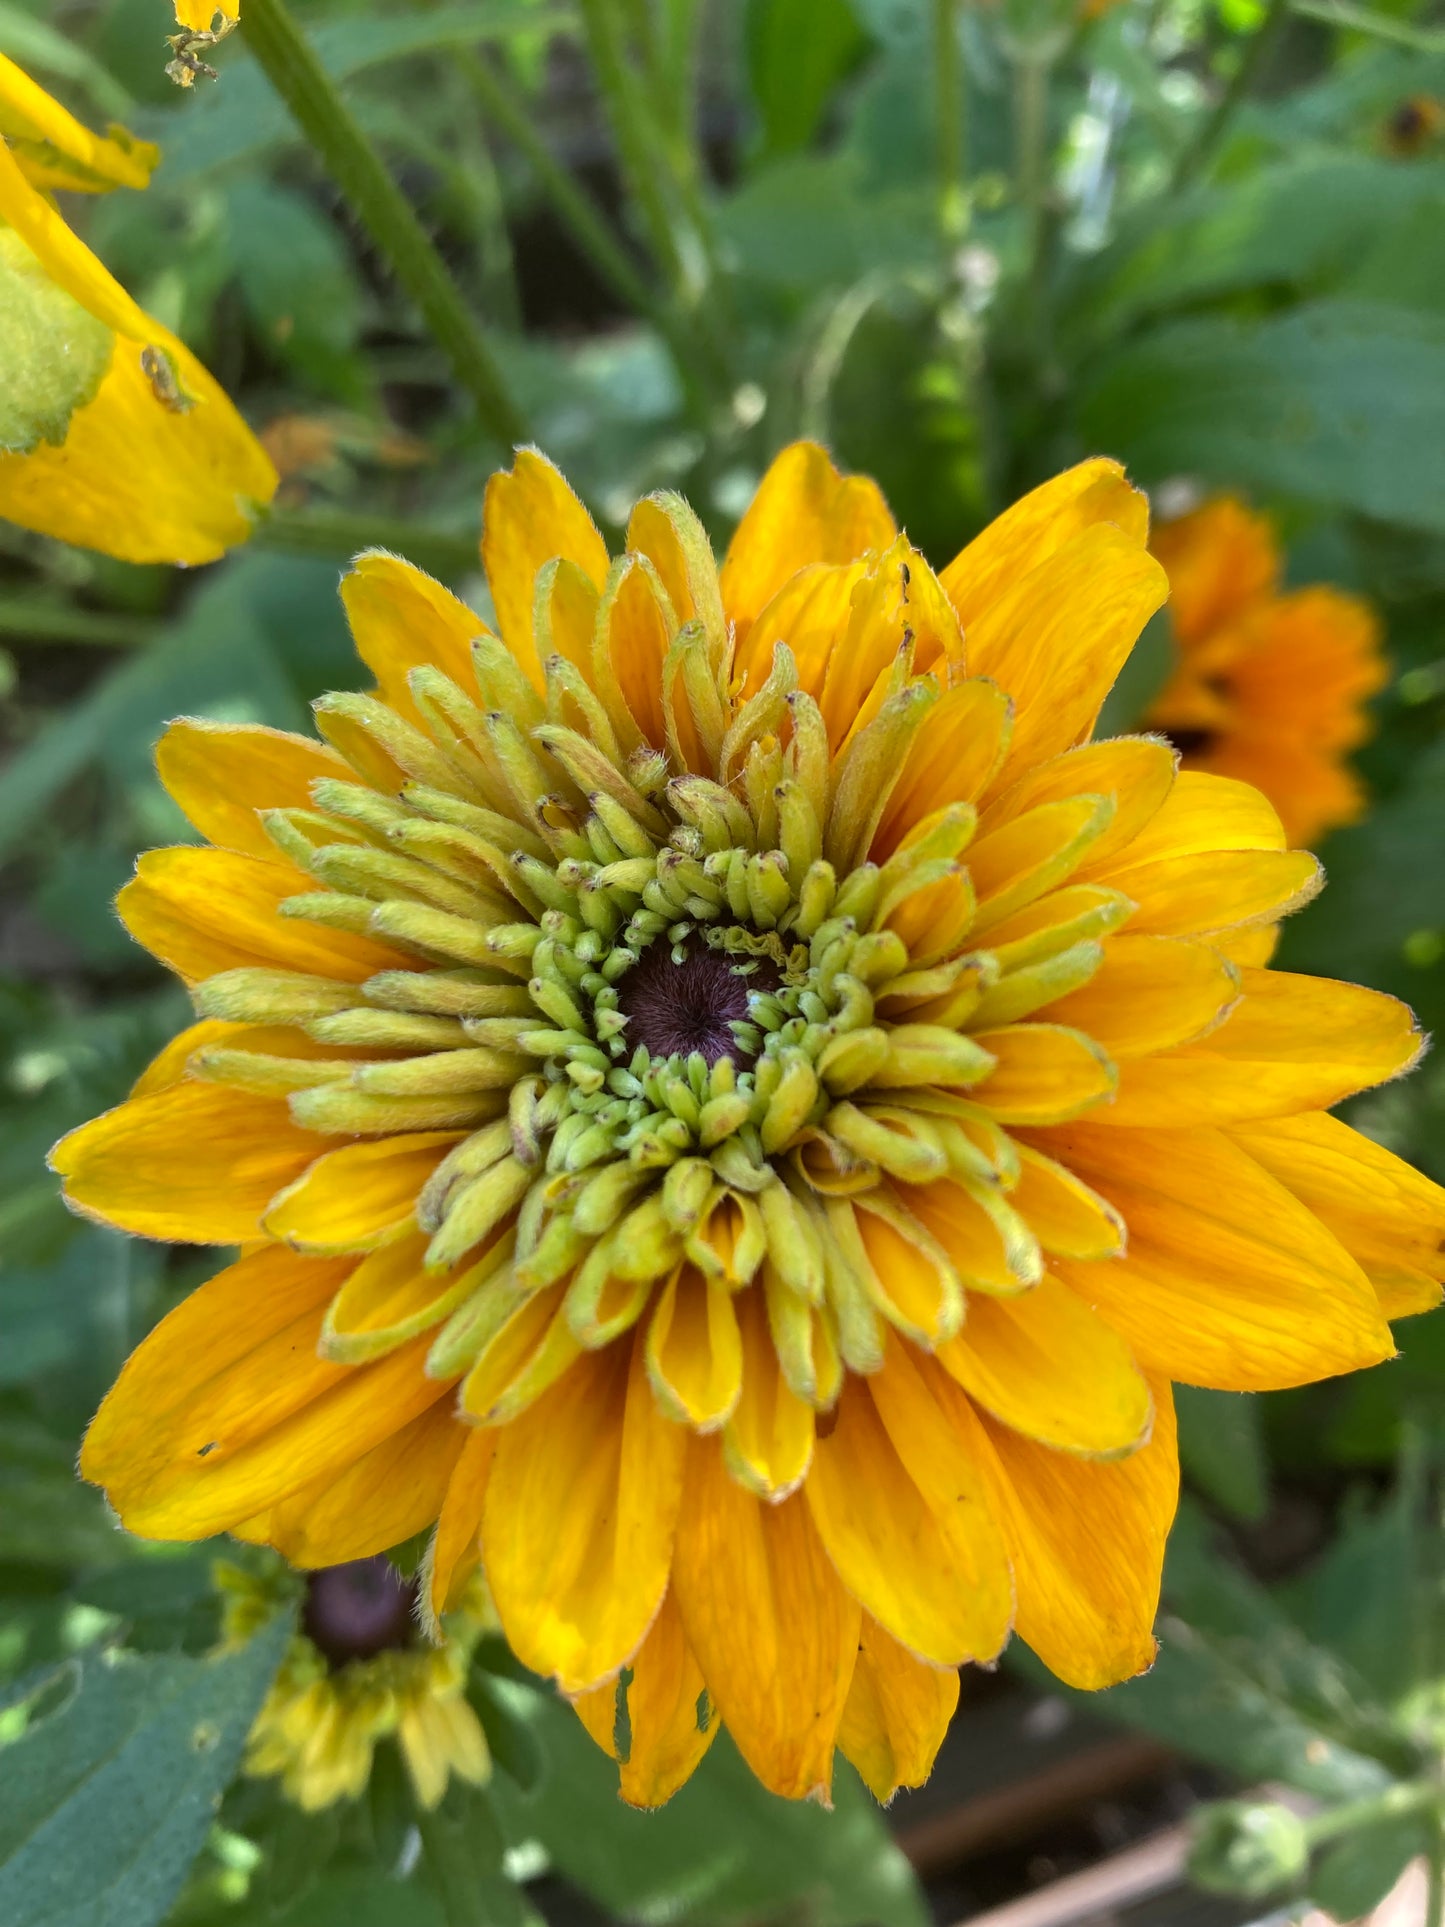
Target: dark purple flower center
677, 1008
359, 1609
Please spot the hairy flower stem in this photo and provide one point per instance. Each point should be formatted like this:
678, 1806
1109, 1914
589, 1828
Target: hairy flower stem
291, 65
339, 534
1031, 123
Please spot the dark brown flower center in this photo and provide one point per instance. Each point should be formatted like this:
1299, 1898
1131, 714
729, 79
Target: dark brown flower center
358, 1610
675, 1008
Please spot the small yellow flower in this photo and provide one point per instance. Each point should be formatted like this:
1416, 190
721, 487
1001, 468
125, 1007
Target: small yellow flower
736, 1110
112, 434
1270, 687
360, 1671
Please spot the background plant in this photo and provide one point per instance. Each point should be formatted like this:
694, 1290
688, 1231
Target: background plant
965, 244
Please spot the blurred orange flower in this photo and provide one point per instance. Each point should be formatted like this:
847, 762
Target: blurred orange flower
1269, 687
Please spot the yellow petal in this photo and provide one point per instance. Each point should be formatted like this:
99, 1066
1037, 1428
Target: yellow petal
897, 1714
656, 1719
225, 1409
633, 635
523, 1359
168, 1066
1022, 858
1229, 1280
456, 1548
1219, 559
1198, 814
221, 774
578, 1523
974, 1239
531, 515
1388, 1216
1192, 896
695, 1351
394, 1490
905, 1519
55, 151
391, 1297
774, 1631
201, 911
1064, 1214
1086, 1539
1047, 1366
1037, 527
1136, 772
402, 620
1042, 1074
950, 759
1292, 1043
196, 1163
1255, 946
804, 512
898, 605
1151, 993
768, 1441
1055, 637
358, 1197
138, 475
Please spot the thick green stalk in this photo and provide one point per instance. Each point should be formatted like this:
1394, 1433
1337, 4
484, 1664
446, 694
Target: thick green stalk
630, 113
948, 124
1031, 121
22, 621
1206, 142
291, 65
339, 534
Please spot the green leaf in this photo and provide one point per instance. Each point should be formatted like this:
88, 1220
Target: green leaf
243, 117
1337, 402
1221, 1447
722, 1850
54, 352
47, 1518
798, 53
353, 1897
1356, 1873
105, 1804
298, 285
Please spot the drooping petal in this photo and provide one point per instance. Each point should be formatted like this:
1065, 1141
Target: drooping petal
1229, 1280
897, 1714
1291, 1044
772, 1626
577, 1527
804, 512
221, 774
195, 1163
1388, 1216
1086, 1539
656, 1719
905, 1519
456, 1548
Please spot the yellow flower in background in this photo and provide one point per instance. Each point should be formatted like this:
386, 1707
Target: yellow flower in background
735, 1111
55, 151
112, 434
1270, 687
359, 1671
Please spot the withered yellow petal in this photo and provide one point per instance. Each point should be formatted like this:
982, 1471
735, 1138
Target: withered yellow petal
897, 1713
656, 1719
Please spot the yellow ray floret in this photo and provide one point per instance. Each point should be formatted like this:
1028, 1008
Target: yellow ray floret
736, 1111
113, 436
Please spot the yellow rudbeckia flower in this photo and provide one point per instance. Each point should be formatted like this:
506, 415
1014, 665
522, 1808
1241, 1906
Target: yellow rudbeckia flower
736, 1110
112, 434
1269, 687
359, 1671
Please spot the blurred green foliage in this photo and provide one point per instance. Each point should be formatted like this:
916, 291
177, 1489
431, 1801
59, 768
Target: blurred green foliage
965, 244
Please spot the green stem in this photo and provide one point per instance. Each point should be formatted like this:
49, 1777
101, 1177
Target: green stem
1435, 1877
339, 534
1202, 148
587, 226
948, 110
291, 65
60, 622
1031, 112
630, 114
1410, 1796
